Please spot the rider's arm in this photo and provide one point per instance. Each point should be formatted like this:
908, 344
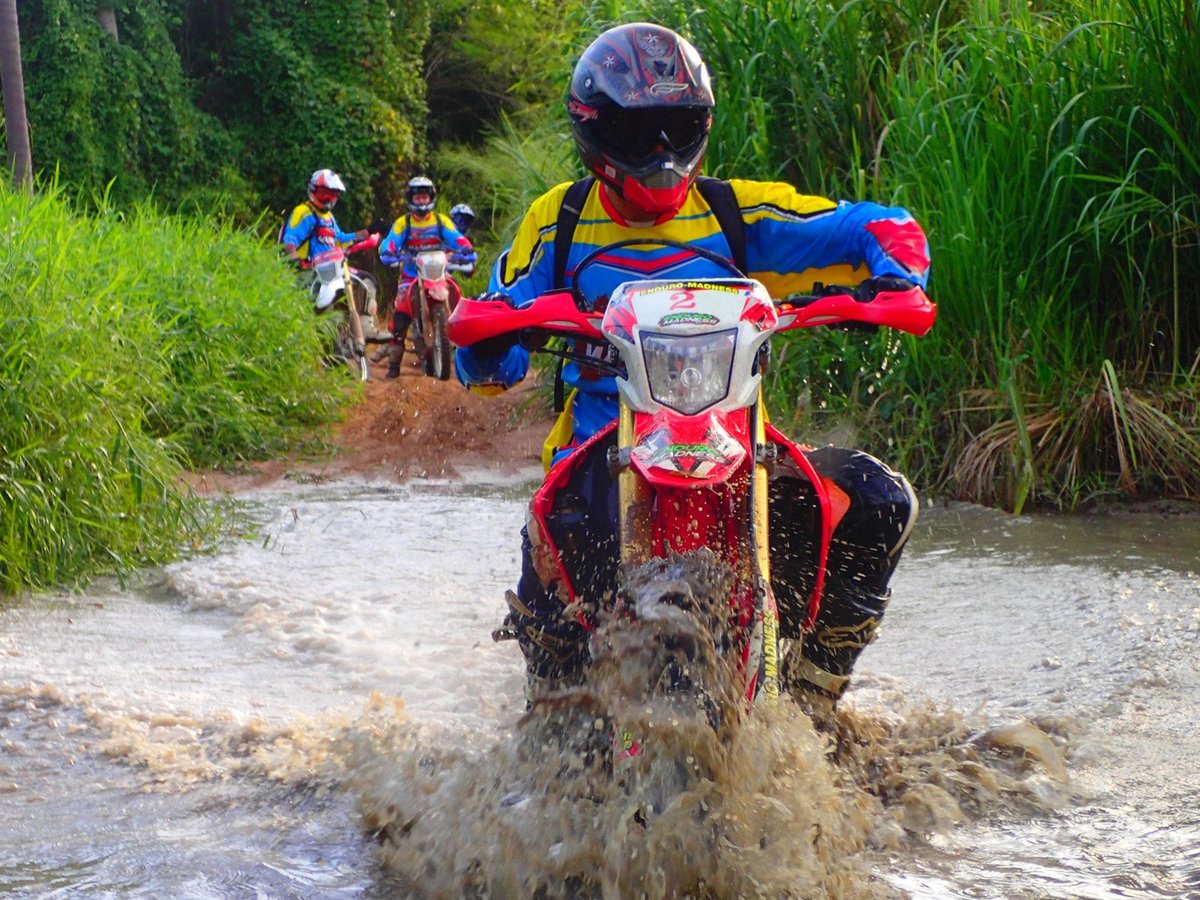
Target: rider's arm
794, 241
297, 231
391, 248
524, 271
347, 237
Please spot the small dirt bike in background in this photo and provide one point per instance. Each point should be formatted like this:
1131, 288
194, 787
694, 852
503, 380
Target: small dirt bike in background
433, 296
691, 451
354, 294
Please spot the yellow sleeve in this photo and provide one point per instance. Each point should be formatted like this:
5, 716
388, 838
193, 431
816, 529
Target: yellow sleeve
533, 234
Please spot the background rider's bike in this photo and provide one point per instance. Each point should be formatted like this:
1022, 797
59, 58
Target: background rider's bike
692, 452
433, 295
351, 293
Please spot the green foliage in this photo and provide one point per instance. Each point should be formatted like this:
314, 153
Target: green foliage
135, 344
228, 104
1050, 152
488, 61
101, 108
301, 87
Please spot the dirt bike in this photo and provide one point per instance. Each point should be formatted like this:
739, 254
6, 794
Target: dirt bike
690, 450
433, 295
336, 285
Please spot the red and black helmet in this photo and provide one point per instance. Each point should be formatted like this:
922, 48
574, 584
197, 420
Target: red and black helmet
641, 108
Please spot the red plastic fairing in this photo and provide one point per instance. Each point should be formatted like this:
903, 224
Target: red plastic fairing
910, 311
333, 254
670, 450
822, 493
476, 319
546, 556
369, 243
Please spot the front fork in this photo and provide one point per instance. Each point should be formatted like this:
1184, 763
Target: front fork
356, 328
636, 515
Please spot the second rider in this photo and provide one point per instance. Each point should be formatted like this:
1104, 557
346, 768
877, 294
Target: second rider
418, 229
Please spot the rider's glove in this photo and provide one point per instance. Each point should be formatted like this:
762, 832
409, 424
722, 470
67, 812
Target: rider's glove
867, 290
493, 347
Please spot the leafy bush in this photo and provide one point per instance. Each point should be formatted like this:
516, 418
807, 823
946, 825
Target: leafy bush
136, 345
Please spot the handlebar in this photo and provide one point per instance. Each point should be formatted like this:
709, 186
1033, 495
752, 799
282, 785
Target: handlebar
476, 319
370, 242
556, 313
908, 310
454, 259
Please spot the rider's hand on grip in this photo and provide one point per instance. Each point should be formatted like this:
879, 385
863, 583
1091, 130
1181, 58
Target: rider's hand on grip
501, 343
867, 290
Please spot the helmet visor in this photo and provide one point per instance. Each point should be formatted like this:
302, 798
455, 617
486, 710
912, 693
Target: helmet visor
636, 134
325, 196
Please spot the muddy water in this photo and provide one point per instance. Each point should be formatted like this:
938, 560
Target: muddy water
318, 711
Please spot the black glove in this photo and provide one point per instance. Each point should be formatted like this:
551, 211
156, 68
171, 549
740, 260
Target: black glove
493, 347
867, 290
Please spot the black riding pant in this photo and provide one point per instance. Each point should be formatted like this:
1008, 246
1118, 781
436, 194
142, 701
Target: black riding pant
864, 550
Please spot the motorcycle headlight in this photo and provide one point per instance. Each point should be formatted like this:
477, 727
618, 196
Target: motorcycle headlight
327, 271
689, 373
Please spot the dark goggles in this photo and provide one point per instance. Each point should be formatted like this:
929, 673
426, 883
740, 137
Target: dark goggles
637, 134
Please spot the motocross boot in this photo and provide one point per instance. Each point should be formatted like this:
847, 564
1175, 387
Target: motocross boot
864, 550
395, 352
400, 323
553, 643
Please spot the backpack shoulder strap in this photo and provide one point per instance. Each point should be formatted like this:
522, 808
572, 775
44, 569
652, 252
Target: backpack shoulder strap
720, 198
564, 231
564, 234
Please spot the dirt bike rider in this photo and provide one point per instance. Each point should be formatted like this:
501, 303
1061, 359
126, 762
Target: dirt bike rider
311, 228
421, 228
463, 218
641, 105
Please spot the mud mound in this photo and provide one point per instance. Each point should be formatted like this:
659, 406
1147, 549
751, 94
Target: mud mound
412, 427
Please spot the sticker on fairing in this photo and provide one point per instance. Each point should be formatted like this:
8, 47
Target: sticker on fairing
674, 451
688, 318
676, 286
697, 460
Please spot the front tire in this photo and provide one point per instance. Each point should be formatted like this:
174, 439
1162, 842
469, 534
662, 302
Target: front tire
440, 361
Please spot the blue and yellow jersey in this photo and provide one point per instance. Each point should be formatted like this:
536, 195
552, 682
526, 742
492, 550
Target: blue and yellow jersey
313, 231
792, 242
413, 233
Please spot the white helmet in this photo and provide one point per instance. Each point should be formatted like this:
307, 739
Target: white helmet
463, 217
324, 188
420, 185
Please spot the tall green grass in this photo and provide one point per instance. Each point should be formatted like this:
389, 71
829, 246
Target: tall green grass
1051, 152
135, 345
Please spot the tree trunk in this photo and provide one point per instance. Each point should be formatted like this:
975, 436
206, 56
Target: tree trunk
107, 17
16, 124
